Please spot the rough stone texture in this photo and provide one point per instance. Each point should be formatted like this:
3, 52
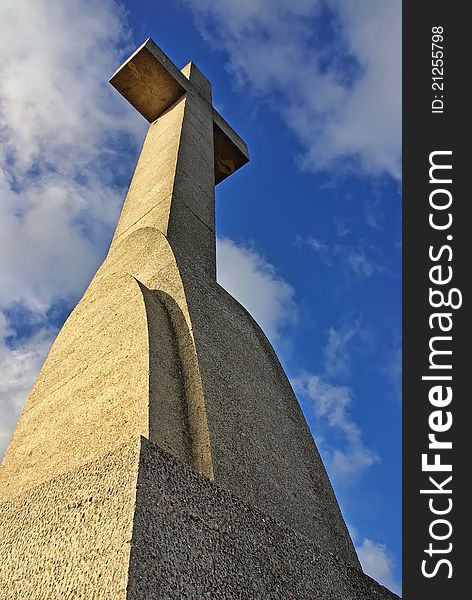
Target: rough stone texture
81, 405
149, 80
193, 539
71, 537
137, 524
272, 460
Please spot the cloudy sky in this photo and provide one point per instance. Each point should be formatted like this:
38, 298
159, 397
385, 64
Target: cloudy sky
309, 232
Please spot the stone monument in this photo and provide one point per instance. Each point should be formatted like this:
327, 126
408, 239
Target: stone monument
162, 452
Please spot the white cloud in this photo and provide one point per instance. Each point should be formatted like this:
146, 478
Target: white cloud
55, 99
253, 281
340, 95
377, 561
331, 404
59, 119
393, 371
335, 354
354, 259
360, 264
19, 366
62, 133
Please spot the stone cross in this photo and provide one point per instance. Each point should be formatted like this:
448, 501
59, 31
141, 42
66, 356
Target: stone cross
157, 355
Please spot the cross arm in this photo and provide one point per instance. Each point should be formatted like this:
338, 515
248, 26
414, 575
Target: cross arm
231, 151
151, 82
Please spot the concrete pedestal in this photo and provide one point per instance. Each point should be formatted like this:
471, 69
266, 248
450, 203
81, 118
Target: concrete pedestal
138, 524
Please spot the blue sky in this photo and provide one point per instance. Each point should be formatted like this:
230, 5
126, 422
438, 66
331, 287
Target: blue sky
309, 232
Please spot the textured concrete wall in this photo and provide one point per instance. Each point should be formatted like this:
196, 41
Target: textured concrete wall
168, 421
191, 230
92, 393
261, 445
149, 197
70, 537
193, 539
137, 523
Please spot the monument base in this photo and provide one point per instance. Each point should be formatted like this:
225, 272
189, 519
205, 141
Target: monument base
138, 524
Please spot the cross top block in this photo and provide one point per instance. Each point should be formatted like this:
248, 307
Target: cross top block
151, 82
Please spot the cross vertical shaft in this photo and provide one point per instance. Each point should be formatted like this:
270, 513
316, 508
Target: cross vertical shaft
188, 148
